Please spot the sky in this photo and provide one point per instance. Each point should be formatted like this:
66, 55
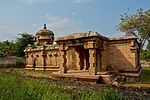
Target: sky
64, 17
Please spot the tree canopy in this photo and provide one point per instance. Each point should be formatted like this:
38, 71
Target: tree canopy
11, 48
137, 24
148, 45
22, 43
6, 48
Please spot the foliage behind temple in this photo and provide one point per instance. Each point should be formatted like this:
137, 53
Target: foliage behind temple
11, 48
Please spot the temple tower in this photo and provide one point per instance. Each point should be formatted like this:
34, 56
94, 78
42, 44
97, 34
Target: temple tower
44, 36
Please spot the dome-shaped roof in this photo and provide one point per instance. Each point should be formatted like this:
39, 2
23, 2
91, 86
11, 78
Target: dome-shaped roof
44, 36
45, 31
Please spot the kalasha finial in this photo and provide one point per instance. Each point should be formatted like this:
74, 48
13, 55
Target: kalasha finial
44, 26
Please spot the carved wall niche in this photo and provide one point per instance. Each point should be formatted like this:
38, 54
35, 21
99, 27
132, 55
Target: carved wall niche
55, 56
52, 58
49, 59
36, 59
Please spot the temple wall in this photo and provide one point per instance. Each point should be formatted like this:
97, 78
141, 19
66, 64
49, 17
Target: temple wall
119, 55
104, 57
28, 60
52, 57
39, 58
123, 55
34, 56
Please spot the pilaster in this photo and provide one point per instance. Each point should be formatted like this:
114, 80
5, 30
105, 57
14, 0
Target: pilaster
92, 61
63, 68
44, 56
78, 60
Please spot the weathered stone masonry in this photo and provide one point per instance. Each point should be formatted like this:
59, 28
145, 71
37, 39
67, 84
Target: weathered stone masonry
84, 54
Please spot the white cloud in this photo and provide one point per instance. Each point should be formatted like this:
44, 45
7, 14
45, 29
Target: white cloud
51, 1
82, 1
116, 35
73, 13
63, 25
36, 1
7, 33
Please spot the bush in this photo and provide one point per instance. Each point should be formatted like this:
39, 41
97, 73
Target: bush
145, 55
20, 62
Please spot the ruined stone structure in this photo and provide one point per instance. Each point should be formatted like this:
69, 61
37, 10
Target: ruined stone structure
86, 55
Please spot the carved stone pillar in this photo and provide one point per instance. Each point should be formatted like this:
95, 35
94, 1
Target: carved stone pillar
78, 66
85, 65
93, 62
134, 57
98, 60
63, 68
44, 57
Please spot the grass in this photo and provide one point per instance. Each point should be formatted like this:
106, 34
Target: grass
146, 75
24, 72
17, 84
14, 86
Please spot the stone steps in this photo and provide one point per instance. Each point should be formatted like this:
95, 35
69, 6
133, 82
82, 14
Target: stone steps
83, 75
78, 71
48, 68
52, 68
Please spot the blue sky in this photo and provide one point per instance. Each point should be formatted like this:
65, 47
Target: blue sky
64, 17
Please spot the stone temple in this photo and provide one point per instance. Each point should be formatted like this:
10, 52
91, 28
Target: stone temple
86, 55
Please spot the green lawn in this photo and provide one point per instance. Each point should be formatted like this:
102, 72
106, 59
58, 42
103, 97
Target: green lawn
24, 72
15, 85
146, 75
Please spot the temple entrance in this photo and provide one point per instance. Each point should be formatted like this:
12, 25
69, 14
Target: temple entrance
34, 62
77, 58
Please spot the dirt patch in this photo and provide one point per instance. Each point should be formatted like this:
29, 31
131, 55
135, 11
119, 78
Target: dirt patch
136, 93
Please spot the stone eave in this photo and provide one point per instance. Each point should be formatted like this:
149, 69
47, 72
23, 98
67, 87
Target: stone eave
123, 38
83, 35
40, 48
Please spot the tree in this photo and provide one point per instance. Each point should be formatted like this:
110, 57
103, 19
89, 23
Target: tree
6, 48
145, 54
148, 45
22, 43
2, 52
137, 24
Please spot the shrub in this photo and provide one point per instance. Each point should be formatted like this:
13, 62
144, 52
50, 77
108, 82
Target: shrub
20, 62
